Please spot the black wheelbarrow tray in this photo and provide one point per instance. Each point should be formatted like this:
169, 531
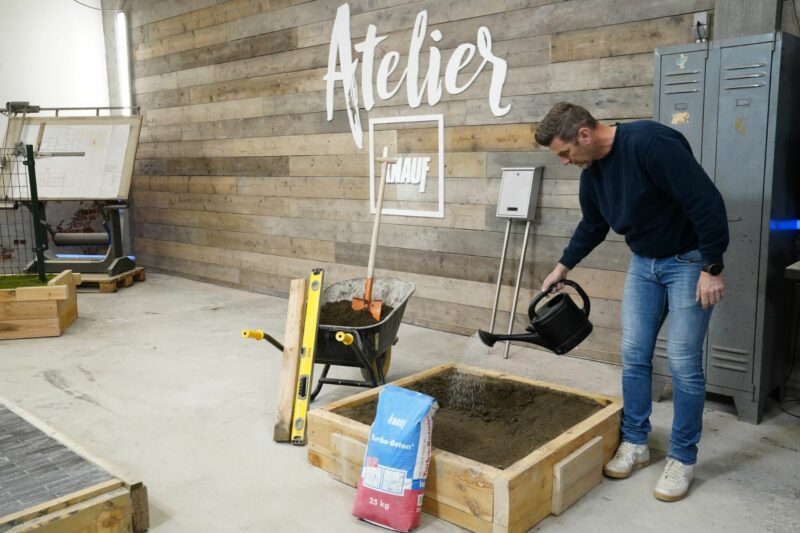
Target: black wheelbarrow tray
368, 348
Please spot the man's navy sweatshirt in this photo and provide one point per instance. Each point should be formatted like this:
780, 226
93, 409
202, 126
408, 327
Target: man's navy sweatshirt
652, 190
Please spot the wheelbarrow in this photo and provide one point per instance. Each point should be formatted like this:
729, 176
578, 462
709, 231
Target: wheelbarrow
368, 348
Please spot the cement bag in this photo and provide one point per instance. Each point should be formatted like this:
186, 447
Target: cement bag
392, 481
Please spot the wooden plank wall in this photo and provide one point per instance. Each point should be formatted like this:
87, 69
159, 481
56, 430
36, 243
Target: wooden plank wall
241, 180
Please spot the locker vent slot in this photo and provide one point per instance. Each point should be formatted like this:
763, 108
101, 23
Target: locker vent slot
730, 358
744, 76
747, 86
682, 72
751, 65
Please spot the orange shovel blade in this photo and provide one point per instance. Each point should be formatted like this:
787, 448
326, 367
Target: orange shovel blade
374, 306
375, 309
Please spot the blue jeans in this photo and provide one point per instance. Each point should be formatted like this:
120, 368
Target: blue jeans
654, 287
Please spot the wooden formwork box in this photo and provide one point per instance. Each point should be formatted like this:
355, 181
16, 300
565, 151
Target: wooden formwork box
118, 505
43, 311
473, 495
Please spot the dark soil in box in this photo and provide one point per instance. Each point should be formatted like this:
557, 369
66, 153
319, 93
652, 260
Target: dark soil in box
341, 314
492, 421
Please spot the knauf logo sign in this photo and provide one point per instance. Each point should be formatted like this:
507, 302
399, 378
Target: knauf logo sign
412, 171
397, 422
409, 170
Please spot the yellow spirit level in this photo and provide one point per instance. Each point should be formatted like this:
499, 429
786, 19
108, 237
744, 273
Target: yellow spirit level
306, 367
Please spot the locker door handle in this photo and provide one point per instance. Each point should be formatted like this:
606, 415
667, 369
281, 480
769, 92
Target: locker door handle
735, 219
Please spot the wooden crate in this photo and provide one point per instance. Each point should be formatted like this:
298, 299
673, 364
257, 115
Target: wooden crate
470, 494
108, 283
43, 311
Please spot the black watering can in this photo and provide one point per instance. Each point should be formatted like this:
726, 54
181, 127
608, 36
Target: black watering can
559, 325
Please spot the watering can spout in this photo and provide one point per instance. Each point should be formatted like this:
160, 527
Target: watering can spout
489, 339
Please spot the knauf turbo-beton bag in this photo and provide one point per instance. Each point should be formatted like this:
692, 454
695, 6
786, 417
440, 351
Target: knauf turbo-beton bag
392, 481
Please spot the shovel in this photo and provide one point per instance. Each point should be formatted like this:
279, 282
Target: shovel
359, 304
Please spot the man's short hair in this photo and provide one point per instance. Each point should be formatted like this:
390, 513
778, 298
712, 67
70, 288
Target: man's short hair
563, 121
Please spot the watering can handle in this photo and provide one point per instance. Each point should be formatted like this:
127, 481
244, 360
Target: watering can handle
586, 304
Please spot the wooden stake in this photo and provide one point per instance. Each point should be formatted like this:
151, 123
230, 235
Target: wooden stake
292, 339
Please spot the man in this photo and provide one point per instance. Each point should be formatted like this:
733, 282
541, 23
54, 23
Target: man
642, 180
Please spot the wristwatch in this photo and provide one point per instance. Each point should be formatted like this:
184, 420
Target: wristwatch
715, 269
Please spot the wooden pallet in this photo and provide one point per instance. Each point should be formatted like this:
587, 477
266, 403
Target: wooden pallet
101, 500
111, 283
474, 495
44, 311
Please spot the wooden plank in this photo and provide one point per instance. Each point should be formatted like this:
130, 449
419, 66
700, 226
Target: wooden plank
164, 98
530, 480
621, 39
30, 328
626, 71
57, 504
193, 184
140, 508
192, 269
111, 511
182, 42
276, 84
33, 294
10, 310
147, 11
737, 18
287, 380
197, 19
218, 166
298, 15
577, 474
629, 102
219, 52
468, 138
67, 310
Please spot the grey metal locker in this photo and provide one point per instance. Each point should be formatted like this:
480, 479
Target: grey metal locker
747, 148
680, 82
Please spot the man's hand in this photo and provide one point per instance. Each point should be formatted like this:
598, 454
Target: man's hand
559, 273
710, 289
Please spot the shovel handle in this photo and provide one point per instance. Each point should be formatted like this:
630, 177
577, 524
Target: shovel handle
373, 245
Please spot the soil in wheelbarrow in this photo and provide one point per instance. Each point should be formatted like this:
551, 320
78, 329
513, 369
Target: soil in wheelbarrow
341, 314
493, 421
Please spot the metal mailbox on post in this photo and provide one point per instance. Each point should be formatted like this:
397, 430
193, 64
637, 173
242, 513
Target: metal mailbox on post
519, 190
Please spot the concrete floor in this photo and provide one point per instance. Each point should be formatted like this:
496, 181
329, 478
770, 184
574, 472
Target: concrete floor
156, 380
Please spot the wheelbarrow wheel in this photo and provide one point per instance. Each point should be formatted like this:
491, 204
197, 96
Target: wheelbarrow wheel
384, 360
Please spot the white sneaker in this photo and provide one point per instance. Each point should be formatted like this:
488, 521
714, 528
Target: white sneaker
675, 481
629, 457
